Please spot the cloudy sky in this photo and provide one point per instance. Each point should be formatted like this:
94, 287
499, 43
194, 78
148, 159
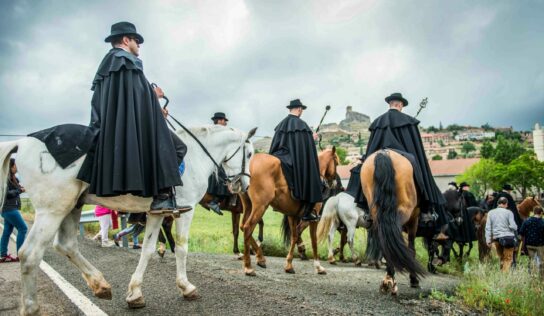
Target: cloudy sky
476, 61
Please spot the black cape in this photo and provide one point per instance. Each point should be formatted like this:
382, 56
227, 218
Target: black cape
399, 131
354, 183
511, 206
294, 145
134, 152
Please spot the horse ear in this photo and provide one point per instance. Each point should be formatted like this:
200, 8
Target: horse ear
251, 132
333, 149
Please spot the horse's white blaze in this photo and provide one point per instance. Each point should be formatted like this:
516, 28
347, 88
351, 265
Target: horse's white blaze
55, 192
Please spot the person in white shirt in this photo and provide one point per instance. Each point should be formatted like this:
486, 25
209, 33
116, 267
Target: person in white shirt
500, 230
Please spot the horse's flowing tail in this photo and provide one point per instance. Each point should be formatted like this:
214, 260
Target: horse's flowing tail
388, 226
330, 210
286, 231
6, 149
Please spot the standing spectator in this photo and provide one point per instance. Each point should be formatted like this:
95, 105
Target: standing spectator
12, 216
500, 230
532, 233
138, 225
104, 218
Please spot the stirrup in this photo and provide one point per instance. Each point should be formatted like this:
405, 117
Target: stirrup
176, 212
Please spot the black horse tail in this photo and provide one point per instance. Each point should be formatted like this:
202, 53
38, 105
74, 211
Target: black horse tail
388, 225
286, 231
372, 251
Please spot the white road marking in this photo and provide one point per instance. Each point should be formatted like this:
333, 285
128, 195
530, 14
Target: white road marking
81, 301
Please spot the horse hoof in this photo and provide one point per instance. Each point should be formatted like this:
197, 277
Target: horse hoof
303, 257
358, 263
415, 285
137, 303
251, 272
262, 264
322, 272
191, 296
161, 253
290, 271
104, 293
332, 262
239, 256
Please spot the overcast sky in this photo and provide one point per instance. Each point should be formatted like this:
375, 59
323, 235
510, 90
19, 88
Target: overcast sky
476, 61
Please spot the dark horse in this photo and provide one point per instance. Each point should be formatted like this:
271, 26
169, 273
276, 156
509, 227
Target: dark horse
236, 211
463, 228
388, 184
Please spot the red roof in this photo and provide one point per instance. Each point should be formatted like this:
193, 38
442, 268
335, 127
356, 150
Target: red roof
438, 167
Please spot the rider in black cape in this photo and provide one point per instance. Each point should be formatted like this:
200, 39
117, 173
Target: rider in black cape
506, 192
294, 145
136, 152
216, 185
398, 131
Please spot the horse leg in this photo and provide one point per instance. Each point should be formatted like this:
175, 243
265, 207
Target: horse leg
431, 252
261, 231
45, 227
236, 233
330, 239
461, 250
313, 235
351, 237
248, 227
414, 280
135, 297
389, 284
168, 232
301, 248
343, 241
66, 243
470, 245
183, 224
455, 254
294, 236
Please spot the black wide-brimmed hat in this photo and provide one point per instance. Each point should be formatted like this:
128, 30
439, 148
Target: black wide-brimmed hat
453, 183
507, 187
124, 28
219, 115
463, 184
396, 97
296, 104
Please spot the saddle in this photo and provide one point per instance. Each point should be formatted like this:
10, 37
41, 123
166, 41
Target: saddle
67, 142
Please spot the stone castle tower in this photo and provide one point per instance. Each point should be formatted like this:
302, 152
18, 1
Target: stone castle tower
538, 142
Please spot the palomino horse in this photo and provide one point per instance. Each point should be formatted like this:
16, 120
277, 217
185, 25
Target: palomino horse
269, 187
388, 184
236, 211
58, 197
337, 209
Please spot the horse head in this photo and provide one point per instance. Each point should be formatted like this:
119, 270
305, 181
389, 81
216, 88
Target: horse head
237, 161
328, 161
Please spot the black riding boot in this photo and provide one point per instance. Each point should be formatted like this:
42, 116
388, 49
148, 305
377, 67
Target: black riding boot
309, 215
214, 206
165, 201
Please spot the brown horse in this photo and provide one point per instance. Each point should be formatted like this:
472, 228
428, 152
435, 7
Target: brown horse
236, 211
388, 184
269, 188
526, 207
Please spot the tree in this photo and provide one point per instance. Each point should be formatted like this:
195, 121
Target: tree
526, 173
437, 157
483, 176
441, 143
342, 153
452, 154
455, 128
507, 150
440, 126
487, 150
432, 129
467, 148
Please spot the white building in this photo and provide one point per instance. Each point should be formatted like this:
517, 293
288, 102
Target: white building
538, 141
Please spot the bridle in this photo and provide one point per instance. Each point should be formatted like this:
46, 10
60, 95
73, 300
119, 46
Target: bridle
243, 172
227, 180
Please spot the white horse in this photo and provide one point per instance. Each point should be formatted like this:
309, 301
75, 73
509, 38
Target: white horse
341, 207
58, 197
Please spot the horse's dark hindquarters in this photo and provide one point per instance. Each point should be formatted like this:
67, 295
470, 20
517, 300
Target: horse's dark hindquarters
388, 225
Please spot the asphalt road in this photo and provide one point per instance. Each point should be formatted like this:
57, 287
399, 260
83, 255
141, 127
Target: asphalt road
224, 289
